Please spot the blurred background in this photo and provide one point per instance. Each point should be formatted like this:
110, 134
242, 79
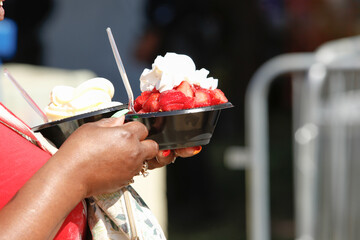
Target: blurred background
232, 39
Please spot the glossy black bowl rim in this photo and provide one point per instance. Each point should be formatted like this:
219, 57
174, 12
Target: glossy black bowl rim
180, 112
80, 116
132, 116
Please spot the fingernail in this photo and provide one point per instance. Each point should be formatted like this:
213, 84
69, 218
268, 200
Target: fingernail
120, 113
166, 153
197, 150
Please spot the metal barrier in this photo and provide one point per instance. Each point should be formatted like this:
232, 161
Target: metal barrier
320, 79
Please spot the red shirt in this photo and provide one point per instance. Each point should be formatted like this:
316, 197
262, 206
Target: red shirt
19, 160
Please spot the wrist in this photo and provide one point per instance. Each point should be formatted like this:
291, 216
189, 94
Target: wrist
67, 177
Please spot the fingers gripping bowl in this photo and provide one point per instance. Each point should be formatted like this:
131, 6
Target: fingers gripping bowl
173, 129
179, 104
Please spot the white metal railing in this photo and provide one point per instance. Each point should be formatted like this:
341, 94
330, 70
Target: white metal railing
311, 72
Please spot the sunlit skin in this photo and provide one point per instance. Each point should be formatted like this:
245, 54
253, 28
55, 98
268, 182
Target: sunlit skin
113, 149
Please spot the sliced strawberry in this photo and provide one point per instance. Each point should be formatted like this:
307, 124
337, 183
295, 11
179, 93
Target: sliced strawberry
155, 90
196, 87
137, 106
173, 106
202, 98
189, 103
171, 96
152, 103
217, 97
140, 100
186, 88
145, 95
140, 111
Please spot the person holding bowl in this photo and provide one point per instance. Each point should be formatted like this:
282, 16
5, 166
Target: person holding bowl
42, 191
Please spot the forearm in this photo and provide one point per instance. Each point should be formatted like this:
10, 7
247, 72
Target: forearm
42, 204
99, 157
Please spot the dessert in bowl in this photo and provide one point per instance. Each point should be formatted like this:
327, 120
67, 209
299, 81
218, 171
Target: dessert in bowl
179, 108
91, 95
173, 83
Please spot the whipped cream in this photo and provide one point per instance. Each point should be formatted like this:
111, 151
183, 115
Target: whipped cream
91, 95
169, 71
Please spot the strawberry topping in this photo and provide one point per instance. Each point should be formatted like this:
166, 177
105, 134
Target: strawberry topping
184, 96
152, 103
186, 88
202, 98
217, 97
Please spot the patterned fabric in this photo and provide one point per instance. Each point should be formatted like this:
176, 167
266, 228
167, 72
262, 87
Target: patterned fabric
122, 215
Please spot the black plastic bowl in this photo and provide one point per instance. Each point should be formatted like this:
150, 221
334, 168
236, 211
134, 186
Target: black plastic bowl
175, 129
